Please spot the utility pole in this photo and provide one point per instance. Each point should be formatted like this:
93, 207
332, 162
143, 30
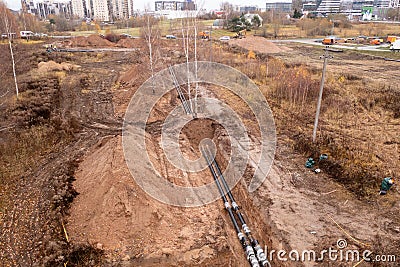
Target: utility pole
321, 89
211, 48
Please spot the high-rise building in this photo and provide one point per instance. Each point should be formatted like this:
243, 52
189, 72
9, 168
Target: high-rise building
279, 6
121, 9
28, 6
381, 3
394, 4
44, 8
174, 5
329, 6
81, 8
103, 10
100, 10
245, 8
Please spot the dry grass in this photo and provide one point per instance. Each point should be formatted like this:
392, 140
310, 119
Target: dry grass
358, 124
367, 28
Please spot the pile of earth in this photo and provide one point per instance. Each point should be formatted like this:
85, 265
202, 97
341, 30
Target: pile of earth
258, 44
54, 66
129, 43
92, 41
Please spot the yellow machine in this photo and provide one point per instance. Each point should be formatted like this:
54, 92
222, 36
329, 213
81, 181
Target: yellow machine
204, 35
240, 34
391, 39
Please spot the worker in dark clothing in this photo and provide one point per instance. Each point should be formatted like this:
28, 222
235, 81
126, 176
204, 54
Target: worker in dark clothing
386, 184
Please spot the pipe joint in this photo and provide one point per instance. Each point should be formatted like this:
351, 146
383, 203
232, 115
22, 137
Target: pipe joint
234, 205
253, 261
240, 235
246, 229
261, 256
249, 251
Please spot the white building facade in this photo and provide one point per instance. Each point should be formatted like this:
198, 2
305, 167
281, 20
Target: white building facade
329, 6
100, 10
103, 10
121, 9
80, 9
394, 4
44, 8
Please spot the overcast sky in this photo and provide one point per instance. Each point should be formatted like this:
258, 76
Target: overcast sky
140, 4
13, 4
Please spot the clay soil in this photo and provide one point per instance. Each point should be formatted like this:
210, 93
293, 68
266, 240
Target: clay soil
75, 202
258, 44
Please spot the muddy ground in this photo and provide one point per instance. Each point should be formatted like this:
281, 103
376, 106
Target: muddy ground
74, 201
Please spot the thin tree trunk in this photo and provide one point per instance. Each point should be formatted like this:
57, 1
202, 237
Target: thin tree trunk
149, 43
195, 65
11, 52
186, 49
13, 65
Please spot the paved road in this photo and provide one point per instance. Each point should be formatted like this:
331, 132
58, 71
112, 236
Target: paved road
338, 46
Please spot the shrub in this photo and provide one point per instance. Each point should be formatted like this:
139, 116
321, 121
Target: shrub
314, 27
112, 37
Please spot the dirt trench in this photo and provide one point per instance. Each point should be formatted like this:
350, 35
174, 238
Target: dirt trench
113, 213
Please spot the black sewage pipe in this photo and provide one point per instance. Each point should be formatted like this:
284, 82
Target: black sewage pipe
262, 258
245, 244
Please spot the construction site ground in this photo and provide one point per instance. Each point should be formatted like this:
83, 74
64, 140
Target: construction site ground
67, 197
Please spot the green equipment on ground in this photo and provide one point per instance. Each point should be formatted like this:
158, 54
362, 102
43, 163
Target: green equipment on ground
386, 184
310, 163
323, 157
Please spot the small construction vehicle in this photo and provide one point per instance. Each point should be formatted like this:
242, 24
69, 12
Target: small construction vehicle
240, 34
391, 39
376, 41
204, 35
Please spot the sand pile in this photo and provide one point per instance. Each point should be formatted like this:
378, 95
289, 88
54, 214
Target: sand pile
53, 66
258, 44
127, 43
91, 41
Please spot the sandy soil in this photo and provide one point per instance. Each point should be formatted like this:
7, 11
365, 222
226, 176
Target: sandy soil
258, 44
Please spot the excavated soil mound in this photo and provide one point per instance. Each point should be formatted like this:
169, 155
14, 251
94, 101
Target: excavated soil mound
96, 40
53, 66
92, 41
113, 213
258, 44
128, 43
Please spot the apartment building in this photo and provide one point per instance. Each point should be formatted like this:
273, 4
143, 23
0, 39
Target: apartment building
44, 8
121, 9
103, 10
174, 5
329, 6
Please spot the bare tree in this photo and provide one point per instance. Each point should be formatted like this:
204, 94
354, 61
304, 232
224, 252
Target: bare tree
195, 24
228, 9
151, 33
8, 25
195, 65
30, 22
277, 22
186, 39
